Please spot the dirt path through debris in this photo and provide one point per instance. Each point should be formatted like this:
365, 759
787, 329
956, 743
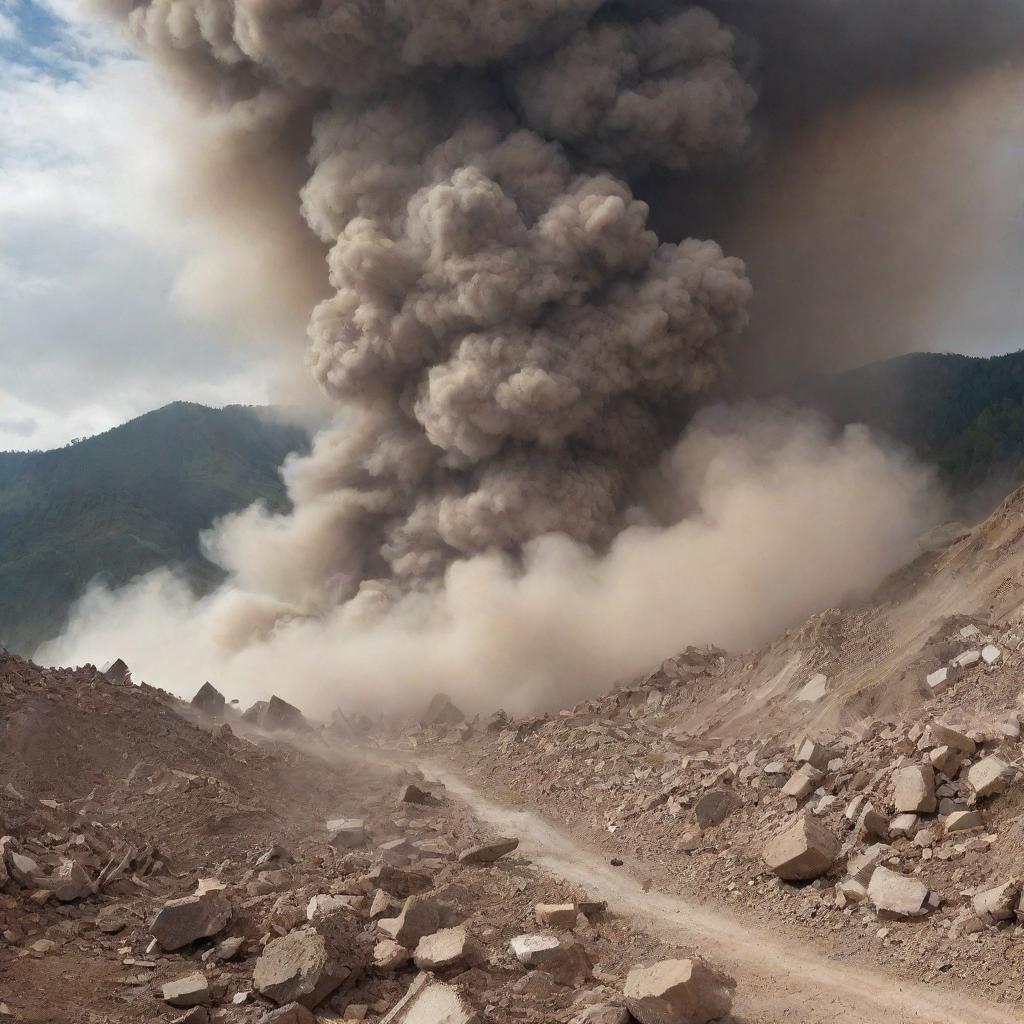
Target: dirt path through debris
778, 980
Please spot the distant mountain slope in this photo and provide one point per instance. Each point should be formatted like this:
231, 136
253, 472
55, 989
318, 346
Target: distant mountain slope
125, 502
964, 414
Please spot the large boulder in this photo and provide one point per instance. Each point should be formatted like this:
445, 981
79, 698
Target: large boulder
914, 790
300, 967
185, 920
209, 701
677, 992
441, 711
802, 852
280, 716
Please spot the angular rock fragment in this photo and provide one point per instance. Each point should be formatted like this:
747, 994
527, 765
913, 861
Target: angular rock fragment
813, 753
192, 990
447, 949
534, 949
603, 1013
185, 920
346, 833
677, 992
802, 782
412, 794
118, 672
441, 711
939, 681
715, 806
432, 1002
990, 654
914, 790
487, 853
69, 882
897, 895
299, 968
420, 916
802, 852
940, 735
399, 882
291, 1013
569, 966
946, 760
556, 915
388, 955
209, 701
989, 776
325, 904
280, 716
903, 825
999, 903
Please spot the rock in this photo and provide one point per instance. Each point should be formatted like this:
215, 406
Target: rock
209, 701
998, 904
412, 794
277, 854
946, 760
990, 654
603, 1013
815, 754
280, 716
570, 965
803, 851
398, 882
556, 915
903, 825
112, 919
388, 955
299, 967
939, 681
897, 895
441, 711
963, 821
226, 949
802, 782
69, 882
383, 905
22, 868
119, 673
346, 833
871, 824
447, 949
487, 853
940, 735
676, 992
197, 1015
324, 905
432, 1002
192, 990
291, 1013
966, 659
914, 790
715, 806
989, 776
420, 916
814, 690
862, 867
531, 950
184, 920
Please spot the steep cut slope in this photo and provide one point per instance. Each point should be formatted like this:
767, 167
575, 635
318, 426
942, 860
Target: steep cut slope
125, 502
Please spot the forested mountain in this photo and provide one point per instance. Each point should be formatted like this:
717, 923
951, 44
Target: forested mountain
127, 501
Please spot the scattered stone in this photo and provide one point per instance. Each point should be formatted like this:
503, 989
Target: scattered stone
676, 992
939, 681
209, 701
803, 782
277, 854
432, 1002
966, 659
420, 916
603, 1013
531, 950
914, 790
399, 882
715, 806
197, 1015
298, 968
897, 895
119, 673
556, 915
441, 711
813, 690
69, 882
192, 990
569, 966
946, 760
802, 852
940, 735
487, 853
963, 821
813, 753
388, 955
998, 904
185, 920
324, 905
447, 949
280, 716
412, 794
346, 833
903, 826
292, 1013
990, 654
989, 776
112, 919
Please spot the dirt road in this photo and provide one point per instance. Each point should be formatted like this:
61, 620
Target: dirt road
778, 980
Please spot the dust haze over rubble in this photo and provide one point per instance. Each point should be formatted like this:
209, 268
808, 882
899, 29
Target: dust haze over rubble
511, 346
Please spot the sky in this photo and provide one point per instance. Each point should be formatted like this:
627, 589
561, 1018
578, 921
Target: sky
96, 325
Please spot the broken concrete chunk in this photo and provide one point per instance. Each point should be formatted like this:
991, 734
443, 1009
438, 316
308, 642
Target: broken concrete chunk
999, 903
989, 776
803, 851
531, 950
677, 992
118, 672
298, 968
871, 824
192, 990
914, 790
715, 806
898, 895
190, 918
556, 915
432, 1002
447, 949
209, 701
487, 853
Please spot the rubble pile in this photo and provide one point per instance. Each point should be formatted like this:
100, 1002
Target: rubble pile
179, 869
902, 836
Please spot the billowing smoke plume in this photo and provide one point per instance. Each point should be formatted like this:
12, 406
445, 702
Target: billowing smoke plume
512, 348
